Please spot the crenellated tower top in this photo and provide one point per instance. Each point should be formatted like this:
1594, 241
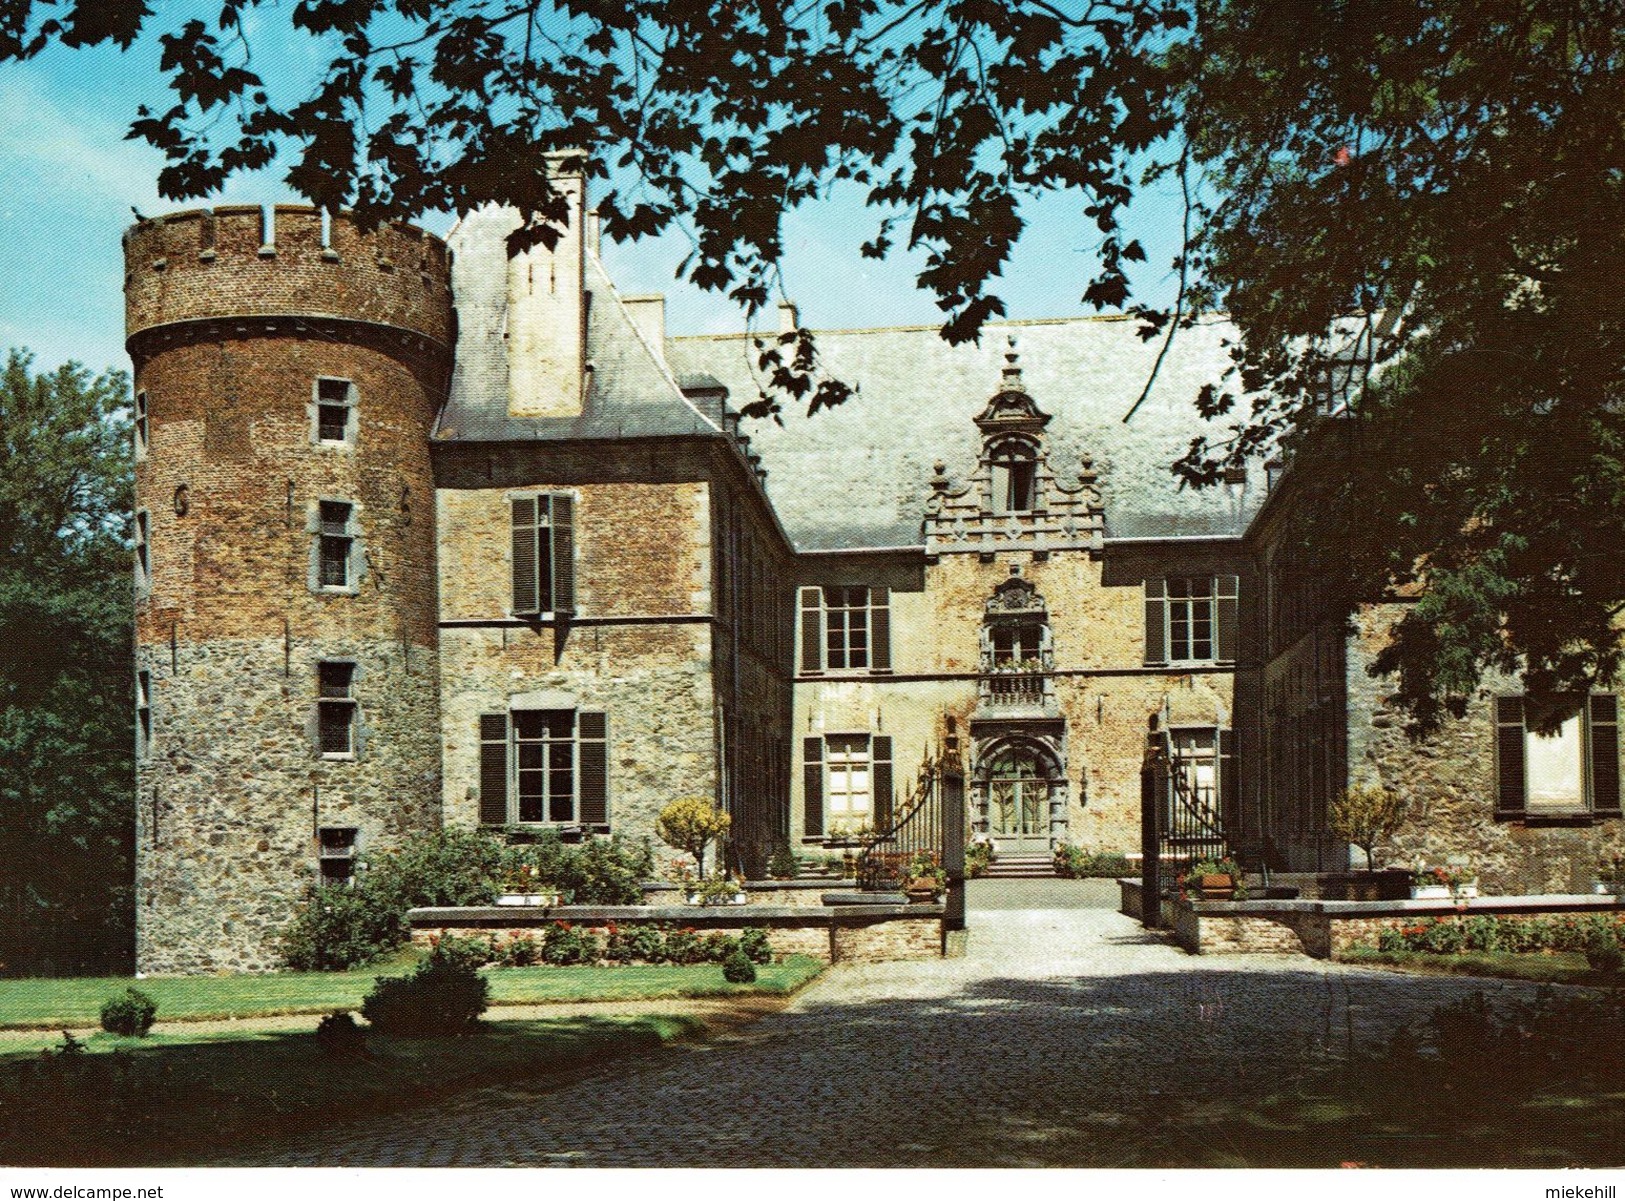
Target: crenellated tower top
249, 261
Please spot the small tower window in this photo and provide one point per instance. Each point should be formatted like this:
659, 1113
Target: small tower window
336, 543
143, 713
140, 424
335, 411
1015, 479
335, 709
143, 562
337, 856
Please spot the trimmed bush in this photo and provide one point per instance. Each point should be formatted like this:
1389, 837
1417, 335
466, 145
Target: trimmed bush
738, 969
341, 1036
131, 1015
563, 944
1076, 863
753, 944
443, 997
340, 927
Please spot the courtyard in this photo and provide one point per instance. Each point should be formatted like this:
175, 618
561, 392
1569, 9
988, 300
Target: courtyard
1066, 1037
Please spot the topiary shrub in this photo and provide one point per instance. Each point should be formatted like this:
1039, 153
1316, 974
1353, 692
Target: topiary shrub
691, 824
443, 996
1602, 950
754, 945
738, 969
341, 1036
131, 1015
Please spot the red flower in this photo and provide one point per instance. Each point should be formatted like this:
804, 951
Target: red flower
1342, 157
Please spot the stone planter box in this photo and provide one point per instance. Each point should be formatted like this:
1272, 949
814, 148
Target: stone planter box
1326, 929
861, 933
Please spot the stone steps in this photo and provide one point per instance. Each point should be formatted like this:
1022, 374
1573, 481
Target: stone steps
1020, 867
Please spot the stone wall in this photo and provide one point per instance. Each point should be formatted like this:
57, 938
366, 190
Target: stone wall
836, 933
639, 646
231, 622
1449, 782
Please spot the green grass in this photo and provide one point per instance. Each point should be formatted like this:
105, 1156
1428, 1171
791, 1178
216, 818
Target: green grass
163, 1101
1553, 967
53, 1004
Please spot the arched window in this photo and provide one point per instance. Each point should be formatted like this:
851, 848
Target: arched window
1015, 478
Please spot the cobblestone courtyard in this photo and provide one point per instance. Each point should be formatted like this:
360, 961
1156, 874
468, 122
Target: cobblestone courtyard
1050, 1044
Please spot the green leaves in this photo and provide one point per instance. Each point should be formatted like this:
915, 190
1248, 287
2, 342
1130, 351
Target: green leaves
66, 769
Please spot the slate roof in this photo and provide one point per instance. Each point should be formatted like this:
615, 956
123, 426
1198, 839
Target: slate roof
858, 476
630, 394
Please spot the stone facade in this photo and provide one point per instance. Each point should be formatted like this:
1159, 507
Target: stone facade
232, 322
417, 518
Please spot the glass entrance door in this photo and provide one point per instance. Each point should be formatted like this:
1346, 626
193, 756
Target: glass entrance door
1018, 800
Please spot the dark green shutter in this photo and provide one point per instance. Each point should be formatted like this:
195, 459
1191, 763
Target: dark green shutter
1156, 634
494, 769
1229, 798
525, 599
879, 629
881, 781
812, 754
812, 629
594, 769
1605, 754
1509, 755
564, 555
1225, 649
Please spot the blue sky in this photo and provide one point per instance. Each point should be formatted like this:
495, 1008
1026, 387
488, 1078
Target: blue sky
68, 181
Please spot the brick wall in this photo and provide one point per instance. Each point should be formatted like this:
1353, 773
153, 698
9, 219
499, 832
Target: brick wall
232, 787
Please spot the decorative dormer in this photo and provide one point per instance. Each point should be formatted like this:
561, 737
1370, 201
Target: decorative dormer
1013, 500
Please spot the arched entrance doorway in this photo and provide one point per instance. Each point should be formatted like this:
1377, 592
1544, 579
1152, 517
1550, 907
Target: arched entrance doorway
1020, 795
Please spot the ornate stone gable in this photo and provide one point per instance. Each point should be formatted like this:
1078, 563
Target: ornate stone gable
1013, 499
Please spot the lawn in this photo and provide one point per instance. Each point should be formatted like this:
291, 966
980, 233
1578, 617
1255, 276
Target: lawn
1545, 967
53, 1004
159, 1102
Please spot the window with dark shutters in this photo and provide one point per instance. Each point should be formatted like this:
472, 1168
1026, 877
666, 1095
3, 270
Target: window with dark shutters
1156, 622
543, 554
1604, 713
845, 627
812, 630
879, 629
882, 783
1535, 773
494, 769
812, 753
1509, 735
594, 759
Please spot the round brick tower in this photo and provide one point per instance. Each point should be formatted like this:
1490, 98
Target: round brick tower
287, 370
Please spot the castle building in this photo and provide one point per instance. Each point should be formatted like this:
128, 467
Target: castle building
431, 536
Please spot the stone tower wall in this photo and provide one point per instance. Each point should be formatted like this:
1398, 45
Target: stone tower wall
230, 326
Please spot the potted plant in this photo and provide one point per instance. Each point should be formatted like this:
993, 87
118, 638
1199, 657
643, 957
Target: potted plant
1610, 876
1443, 883
924, 879
1214, 880
523, 885
720, 889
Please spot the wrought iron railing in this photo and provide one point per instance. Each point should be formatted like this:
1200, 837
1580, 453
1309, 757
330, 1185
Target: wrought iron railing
1195, 826
916, 829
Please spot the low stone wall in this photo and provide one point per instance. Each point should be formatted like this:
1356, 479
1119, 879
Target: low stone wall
1327, 929
834, 933
799, 893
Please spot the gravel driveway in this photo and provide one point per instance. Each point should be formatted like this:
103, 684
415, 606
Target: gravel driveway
1061, 1025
